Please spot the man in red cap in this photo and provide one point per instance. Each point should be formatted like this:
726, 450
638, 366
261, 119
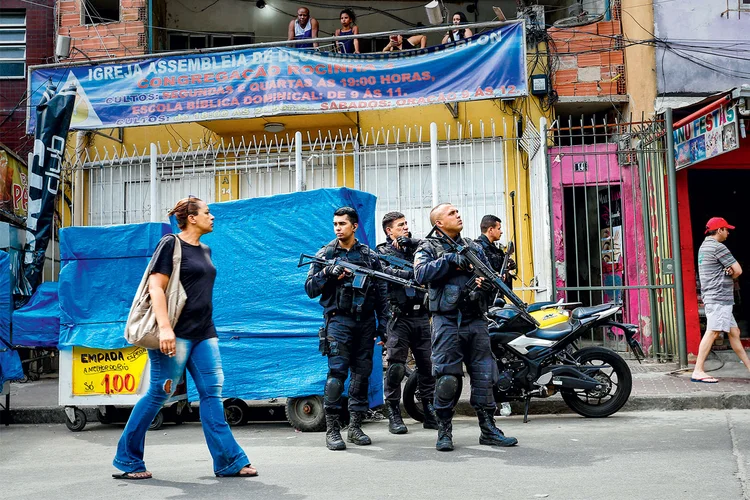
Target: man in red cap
717, 269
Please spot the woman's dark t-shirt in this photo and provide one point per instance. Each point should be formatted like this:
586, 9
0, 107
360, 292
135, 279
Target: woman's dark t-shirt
197, 275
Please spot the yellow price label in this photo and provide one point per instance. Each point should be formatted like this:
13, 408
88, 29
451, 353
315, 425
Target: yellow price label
108, 371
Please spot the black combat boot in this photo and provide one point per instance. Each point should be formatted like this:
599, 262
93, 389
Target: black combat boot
491, 435
430, 419
445, 430
395, 422
356, 435
334, 441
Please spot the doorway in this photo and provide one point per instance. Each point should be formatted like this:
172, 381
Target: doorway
723, 193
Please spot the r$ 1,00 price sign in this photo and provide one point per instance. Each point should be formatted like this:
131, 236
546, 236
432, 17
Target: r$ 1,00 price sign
108, 371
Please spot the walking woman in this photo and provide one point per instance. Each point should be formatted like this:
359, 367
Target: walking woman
193, 344
348, 27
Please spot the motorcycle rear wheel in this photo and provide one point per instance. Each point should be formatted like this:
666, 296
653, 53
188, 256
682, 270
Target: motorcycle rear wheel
617, 379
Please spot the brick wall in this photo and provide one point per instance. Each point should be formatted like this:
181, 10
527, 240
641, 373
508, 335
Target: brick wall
105, 40
590, 59
40, 28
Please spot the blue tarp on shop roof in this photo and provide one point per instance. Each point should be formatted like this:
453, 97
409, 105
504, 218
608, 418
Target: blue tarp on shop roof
37, 324
102, 268
268, 327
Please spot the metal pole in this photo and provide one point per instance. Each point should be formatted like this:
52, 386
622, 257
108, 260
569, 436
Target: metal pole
78, 180
357, 180
154, 183
434, 163
675, 235
298, 161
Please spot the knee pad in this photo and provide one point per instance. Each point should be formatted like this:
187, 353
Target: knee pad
446, 387
395, 373
334, 389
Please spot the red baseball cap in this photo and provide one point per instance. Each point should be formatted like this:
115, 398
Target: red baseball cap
715, 223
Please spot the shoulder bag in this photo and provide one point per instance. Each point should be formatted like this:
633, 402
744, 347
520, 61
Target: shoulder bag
141, 328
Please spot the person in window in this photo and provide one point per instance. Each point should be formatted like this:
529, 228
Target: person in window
457, 34
192, 343
398, 42
302, 28
348, 27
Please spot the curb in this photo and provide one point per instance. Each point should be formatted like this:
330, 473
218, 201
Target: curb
552, 406
555, 405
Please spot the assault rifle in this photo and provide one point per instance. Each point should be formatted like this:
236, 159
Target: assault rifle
396, 262
360, 273
482, 270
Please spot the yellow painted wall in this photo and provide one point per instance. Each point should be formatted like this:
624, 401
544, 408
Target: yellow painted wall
470, 116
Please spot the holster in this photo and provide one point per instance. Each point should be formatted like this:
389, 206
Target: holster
324, 345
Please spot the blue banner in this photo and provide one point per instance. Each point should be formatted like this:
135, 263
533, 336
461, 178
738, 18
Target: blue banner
281, 81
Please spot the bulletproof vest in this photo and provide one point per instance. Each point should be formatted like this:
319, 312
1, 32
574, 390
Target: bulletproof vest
348, 298
403, 298
453, 294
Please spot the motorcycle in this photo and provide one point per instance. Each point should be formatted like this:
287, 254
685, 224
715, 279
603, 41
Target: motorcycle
538, 357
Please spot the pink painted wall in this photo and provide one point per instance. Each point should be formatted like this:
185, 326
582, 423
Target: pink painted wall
603, 169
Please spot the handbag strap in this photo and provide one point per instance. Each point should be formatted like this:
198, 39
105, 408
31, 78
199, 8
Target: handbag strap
176, 258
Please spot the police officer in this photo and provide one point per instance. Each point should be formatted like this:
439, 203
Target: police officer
350, 321
458, 300
492, 230
409, 327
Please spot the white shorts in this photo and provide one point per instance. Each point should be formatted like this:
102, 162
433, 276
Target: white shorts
719, 318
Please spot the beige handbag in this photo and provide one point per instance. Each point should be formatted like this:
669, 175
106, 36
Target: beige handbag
141, 329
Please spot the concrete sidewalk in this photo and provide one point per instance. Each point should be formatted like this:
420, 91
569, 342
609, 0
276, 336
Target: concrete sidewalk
656, 386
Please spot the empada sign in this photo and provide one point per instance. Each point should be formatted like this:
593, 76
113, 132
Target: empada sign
707, 136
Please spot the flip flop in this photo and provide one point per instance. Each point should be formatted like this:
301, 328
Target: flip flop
707, 380
131, 476
239, 474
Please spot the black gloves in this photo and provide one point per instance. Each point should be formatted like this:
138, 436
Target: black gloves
463, 262
486, 285
406, 242
334, 271
382, 331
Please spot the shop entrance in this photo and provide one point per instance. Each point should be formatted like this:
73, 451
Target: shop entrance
724, 193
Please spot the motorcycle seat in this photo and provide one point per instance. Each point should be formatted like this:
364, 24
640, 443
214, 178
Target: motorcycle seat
585, 312
554, 332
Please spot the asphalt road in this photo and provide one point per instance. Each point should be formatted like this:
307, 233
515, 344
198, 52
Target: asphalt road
638, 455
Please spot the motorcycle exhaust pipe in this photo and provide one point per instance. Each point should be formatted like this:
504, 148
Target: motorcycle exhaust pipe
576, 383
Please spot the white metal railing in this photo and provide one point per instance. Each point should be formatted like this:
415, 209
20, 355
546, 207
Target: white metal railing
469, 164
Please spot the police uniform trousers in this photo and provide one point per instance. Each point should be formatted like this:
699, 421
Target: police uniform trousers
410, 332
351, 348
469, 343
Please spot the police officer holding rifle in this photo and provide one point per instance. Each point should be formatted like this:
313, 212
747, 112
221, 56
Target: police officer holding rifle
348, 277
409, 327
461, 284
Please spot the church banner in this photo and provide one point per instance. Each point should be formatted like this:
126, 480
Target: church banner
258, 82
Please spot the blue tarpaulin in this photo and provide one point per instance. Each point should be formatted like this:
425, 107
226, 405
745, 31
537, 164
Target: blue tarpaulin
102, 268
37, 324
267, 325
10, 362
10, 366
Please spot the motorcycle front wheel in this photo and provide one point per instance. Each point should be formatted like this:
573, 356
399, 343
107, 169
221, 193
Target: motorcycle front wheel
616, 379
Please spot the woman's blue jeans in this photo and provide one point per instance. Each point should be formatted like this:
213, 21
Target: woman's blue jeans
204, 364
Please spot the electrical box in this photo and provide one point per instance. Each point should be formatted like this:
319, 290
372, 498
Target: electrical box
539, 84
